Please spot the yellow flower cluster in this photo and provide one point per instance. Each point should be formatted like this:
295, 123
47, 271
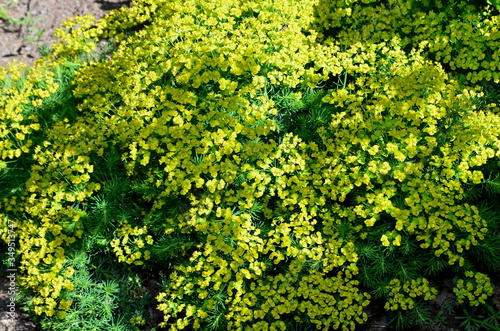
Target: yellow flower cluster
130, 245
427, 167
391, 239
402, 296
328, 301
42, 247
137, 321
474, 290
44, 211
73, 40
467, 43
22, 88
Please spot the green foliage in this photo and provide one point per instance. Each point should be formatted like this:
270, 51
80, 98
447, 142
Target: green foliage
101, 299
494, 3
473, 320
4, 15
274, 165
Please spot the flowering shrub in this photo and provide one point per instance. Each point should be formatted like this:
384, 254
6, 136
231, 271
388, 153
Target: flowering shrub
277, 163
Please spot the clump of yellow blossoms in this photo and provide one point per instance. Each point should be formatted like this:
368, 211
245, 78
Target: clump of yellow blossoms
475, 289
294, 153
122, 245
414, 288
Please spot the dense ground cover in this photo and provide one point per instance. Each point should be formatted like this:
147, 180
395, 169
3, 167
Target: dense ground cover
266, 164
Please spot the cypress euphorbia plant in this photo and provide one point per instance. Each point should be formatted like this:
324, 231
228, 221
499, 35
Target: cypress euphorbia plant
275, 162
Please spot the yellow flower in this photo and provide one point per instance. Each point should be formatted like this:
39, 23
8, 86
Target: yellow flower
385, 240
397, 240
370, 221
399, 175
477, 177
